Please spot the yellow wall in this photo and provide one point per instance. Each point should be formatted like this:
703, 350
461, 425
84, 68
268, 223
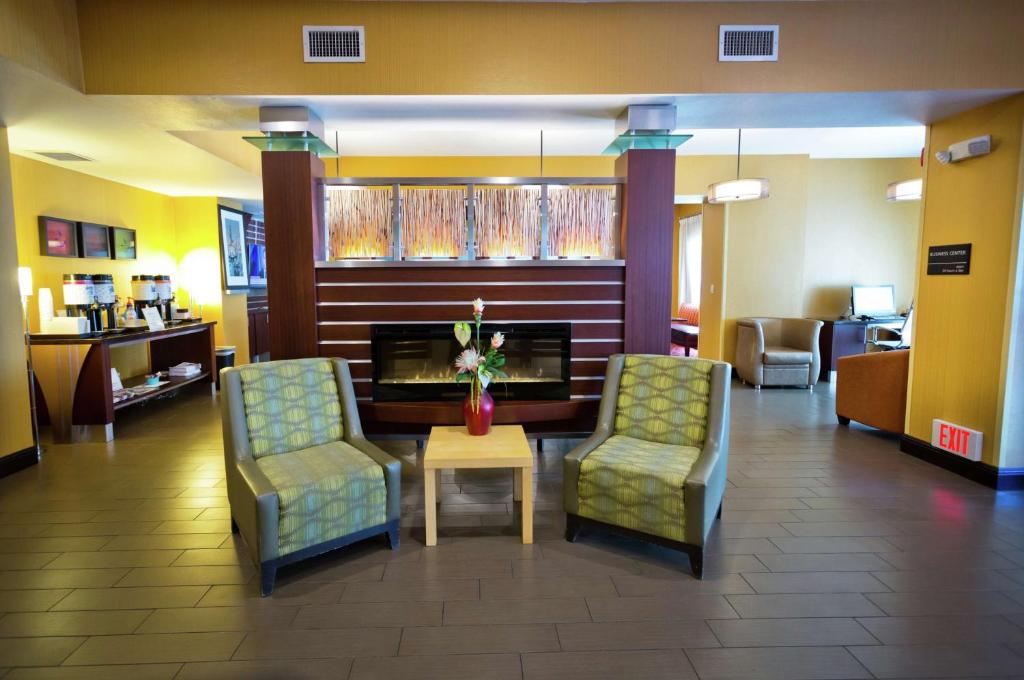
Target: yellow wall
713, 271
854, 236
177, 47
15, 415
960, 334
43, 35
176, 236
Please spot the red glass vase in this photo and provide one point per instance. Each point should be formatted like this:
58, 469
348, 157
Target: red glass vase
479, 422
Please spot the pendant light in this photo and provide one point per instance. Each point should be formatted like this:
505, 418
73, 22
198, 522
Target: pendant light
738, 189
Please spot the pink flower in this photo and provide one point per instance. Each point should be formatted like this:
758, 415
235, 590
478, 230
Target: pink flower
468, 361
478, 306
497, 340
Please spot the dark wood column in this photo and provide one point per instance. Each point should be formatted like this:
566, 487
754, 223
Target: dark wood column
648, 196
293, 214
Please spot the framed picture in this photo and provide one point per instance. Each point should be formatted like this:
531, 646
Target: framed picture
57, 237
257, 265
234, 258
94, 239
123, 242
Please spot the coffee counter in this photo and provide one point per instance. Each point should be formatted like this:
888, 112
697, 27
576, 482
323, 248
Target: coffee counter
74, 380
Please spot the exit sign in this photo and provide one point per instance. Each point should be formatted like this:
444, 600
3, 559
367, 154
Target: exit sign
956, 439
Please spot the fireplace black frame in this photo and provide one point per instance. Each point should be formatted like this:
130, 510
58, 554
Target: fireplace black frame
440, 391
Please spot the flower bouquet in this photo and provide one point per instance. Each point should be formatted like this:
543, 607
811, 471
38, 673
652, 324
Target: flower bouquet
478, 367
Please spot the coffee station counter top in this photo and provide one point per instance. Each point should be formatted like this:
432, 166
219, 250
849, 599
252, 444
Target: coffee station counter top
124, 335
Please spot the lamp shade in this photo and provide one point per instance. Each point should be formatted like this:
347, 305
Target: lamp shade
738, 190
25, 281
907, 190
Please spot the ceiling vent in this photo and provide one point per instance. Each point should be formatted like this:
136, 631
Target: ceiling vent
61, 156
334, 43
748, 43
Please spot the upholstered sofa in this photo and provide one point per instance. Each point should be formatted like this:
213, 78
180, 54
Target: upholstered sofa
655, 466
872, 389
772, 351
301, 477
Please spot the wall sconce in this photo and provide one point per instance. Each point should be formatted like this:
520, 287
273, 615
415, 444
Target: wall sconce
905, 190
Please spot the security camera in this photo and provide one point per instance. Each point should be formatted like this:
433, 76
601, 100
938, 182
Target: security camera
978, 146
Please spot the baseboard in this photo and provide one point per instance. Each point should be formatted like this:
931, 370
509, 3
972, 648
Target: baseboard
19, 460
1000, 479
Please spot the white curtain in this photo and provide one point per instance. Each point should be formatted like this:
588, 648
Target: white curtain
689, 259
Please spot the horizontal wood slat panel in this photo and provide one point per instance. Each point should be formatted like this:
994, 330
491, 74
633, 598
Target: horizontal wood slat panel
465, 294
399, 274
361, 331
357, 352
595, 349
591, 368
427, 313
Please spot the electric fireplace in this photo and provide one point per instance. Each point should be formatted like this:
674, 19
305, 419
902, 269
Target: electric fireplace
415, 362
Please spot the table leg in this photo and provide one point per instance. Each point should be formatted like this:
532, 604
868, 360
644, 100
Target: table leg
526, 484
439, 493
430, 504
517, 484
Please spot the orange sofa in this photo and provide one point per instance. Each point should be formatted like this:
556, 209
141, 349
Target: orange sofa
872, 389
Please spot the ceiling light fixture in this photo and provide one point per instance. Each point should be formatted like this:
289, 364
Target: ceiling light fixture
734, 190
906, 190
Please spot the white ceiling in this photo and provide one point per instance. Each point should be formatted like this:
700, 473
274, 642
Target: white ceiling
193, 145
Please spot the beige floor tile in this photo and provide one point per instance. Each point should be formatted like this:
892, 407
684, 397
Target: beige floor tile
213, 619
778, 663
370, 615
791, 632
414, 591
475, 666
131, 598
479, 639
309, 669
212, 557
166, 542
164, 648
40, 651
556, 586
661, 608
816, 582
125, 672
48, 624
944, 630
803, 605
60, 578
114, 558
185, 576
543, 610
31, 600
900, 661
636, 635
646, 664
302, 644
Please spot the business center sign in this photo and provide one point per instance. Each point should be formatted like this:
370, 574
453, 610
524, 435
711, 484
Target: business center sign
949, 260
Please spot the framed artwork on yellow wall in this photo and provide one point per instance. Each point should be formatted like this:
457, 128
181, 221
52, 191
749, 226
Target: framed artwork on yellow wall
94, 239
57, 237
123, 242
234, 258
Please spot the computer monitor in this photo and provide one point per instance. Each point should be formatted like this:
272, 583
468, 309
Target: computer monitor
874, 301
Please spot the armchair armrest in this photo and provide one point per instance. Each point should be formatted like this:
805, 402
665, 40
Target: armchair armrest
605, 425
750, 350
354, 437
705, 484
802, 334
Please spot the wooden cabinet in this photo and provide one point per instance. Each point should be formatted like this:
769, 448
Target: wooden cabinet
259, 328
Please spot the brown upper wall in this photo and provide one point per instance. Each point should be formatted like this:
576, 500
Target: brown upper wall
42, 35
254, 47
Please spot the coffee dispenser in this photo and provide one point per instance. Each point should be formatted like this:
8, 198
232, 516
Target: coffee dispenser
144, 292
164, 296
106, 300
80, 298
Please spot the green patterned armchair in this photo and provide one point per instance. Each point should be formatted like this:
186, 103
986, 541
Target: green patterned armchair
655, 466
302, 479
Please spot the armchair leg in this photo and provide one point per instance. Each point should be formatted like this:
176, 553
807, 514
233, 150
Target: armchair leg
572, 527
234, 526
268, 572
843, 420
718, 515
697, 562
393, 539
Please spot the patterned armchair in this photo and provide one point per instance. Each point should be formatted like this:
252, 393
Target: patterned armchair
655, 466
301, 478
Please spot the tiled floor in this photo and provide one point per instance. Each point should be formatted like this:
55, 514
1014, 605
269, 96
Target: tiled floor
837, 557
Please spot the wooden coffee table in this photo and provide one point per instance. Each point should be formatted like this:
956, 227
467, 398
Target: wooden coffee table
452, 447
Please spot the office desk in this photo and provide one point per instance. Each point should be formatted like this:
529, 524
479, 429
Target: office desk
844, 337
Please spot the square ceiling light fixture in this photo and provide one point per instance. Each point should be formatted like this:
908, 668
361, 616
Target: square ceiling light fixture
291, 128
645, 126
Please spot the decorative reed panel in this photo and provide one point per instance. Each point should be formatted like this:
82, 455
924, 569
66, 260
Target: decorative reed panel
581, 222
434, 222
359, 223
508, 221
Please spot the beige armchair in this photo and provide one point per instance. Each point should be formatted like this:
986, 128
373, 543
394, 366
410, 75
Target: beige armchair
778, 351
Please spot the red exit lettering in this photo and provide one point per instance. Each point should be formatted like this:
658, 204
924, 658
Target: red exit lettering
953, 438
